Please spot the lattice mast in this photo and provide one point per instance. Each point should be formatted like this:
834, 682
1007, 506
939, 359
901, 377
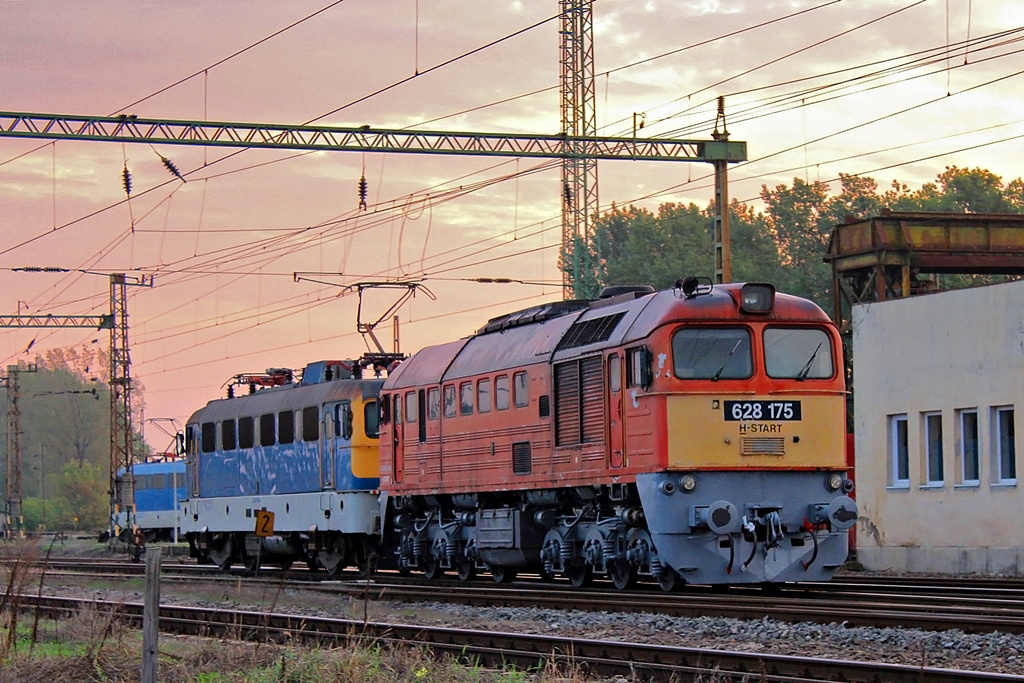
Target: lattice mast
122, 436
13, 517
581, 257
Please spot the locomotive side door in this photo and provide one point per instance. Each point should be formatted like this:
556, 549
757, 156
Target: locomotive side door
397, 448
328, 445
616, 416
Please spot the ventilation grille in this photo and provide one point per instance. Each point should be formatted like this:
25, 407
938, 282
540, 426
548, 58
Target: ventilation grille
522, 458
544, 405
590, 331
763, 445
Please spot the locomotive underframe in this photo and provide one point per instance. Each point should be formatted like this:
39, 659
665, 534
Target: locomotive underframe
653, 530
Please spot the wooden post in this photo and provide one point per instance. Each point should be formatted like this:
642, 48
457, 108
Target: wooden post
151, 617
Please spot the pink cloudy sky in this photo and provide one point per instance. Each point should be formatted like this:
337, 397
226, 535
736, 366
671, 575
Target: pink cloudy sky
830, 87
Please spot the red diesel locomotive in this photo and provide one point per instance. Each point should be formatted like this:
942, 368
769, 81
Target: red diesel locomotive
694, 434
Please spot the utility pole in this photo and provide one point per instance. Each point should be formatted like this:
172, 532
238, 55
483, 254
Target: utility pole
13, 517
723, 256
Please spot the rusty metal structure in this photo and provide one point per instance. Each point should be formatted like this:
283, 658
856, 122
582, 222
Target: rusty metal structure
14, 522
898, 254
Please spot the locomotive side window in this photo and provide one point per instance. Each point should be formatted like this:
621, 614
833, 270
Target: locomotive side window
397, 413
639, 360
343, 420
712, 353
614, 373
501, 391
433, 403
267, 436
791, 353
227, 435
371, 419
450, 408
311, 424
521, 390
483, 396
411, 410
209, 437
466, 398
246, 432
286, 427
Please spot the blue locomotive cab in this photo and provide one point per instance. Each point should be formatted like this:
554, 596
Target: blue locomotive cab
305, 451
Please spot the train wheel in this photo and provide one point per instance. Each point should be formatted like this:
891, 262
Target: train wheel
312, 564
668, 579
432, 569
286, 563
502, 574
252, 563
579, 575
623, 574
466, 569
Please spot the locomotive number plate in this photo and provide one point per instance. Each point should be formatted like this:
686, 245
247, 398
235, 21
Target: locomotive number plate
745, 411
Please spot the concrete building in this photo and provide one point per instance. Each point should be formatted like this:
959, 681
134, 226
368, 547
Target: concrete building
938, 380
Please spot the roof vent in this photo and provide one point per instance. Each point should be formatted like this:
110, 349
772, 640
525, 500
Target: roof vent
618, 290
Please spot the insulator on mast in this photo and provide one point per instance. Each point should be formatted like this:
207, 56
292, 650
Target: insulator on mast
362, 192
169, 165
126, 180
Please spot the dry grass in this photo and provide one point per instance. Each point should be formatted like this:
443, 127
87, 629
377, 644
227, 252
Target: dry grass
93, 646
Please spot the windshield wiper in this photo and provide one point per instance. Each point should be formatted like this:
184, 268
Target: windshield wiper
718, 374
807, 366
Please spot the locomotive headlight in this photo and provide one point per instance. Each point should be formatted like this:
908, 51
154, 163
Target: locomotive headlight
687, 483
756, 297
834, 481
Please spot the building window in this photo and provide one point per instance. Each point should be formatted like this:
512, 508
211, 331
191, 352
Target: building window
967, 446
933, 448
899, 452
1004, 447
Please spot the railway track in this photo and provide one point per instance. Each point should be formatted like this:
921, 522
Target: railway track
931, 604
597, 657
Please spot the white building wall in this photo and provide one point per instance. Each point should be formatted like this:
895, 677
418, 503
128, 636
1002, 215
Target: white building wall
940, 353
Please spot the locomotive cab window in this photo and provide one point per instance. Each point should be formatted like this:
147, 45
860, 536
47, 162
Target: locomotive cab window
286, 427
311, 423
797, 353
209, 437
520, 390
501, 391
371, 419
411, 409
483, 396
433, 403
246, 432
227, 435
466, 398
267, 436
712, 353
450, 405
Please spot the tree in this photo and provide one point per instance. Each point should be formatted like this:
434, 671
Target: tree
786, 244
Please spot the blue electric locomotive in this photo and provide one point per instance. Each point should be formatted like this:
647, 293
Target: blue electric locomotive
159, 486
305, 452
